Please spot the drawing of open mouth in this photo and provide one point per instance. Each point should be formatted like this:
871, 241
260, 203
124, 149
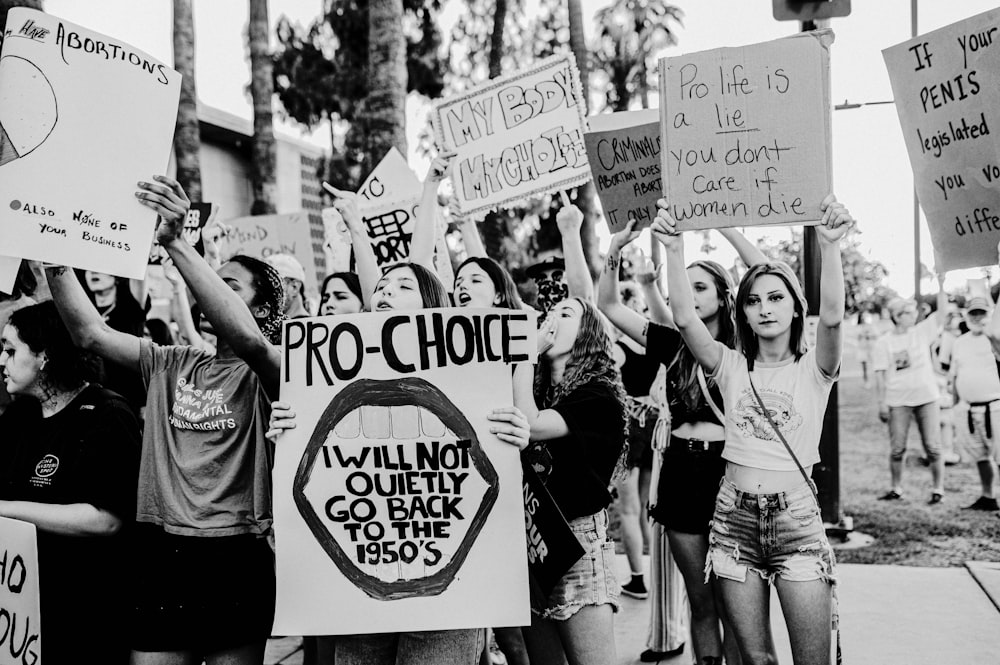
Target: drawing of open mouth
28, 108
395, 487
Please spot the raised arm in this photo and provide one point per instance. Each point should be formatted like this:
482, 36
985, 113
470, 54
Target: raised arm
697, 337
425, 225
543, 424
471, 239
569, 219
224, 308
365, 264
829, 336
749, 252
85, 324
180, 308
609, 300
649, 282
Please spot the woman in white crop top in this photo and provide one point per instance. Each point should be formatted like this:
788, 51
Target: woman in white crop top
766, 527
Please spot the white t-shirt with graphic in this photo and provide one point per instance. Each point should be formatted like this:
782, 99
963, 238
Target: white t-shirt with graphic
906, 360
795, 394
975, 369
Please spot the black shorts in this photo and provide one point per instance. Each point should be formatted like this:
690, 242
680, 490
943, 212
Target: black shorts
640, 442
201, 594
688, 485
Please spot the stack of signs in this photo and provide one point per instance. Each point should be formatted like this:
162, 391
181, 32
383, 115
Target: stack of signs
71, 148
197, 217
19, 592
624, 151
746, 133
947, 90
515, 137
260, 236
395, 508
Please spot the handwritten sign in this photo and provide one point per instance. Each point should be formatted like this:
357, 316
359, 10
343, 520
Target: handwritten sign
19, 594
8, 273
395, 507
515, 137
84, 117
197, 216
261, 236
947, 90
746, 133
624, 151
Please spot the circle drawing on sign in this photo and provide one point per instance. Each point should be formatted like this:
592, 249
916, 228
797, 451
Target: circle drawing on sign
395, 487
28, 108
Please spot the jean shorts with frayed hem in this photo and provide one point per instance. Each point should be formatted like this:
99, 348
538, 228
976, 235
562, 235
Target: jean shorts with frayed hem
592, 579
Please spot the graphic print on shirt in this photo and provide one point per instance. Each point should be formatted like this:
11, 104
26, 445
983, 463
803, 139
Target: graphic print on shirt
44, 470
752, 421
200, 409
901, 359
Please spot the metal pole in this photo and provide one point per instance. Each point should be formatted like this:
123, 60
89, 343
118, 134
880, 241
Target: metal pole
916, 202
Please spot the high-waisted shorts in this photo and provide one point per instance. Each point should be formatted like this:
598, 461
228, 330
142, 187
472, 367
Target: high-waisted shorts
202, 594
686, 490
592, 579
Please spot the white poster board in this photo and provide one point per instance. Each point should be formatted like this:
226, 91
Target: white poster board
19, 599
395, 508
747, 133
515, 137
946, 85
260, 236
85, 117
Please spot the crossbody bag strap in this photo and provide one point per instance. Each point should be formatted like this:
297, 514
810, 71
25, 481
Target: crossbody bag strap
708, 396
774, 426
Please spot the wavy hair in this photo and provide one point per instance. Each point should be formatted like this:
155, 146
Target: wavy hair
269, 292
745, 336
684, 368
67, 366
503, 284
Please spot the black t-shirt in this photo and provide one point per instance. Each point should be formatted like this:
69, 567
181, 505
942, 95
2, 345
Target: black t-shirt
577, 468
662, 344
638, 372
86, 453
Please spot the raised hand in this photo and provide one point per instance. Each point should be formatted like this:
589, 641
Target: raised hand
625, 236
440, 167
346, 203
165, 196
569, 219
836, 222
664, 227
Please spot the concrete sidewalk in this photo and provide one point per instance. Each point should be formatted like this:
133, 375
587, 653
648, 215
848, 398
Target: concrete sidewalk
890, 615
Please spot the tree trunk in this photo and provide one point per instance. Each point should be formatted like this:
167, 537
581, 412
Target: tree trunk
187, 136
262, 163
494, 228
496, 37
384, 111
585, 193
10, 4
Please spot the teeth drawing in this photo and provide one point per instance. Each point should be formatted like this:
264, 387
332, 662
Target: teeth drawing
28, 108
395, 487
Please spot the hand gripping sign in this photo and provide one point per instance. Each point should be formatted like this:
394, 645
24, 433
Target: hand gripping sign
395, 507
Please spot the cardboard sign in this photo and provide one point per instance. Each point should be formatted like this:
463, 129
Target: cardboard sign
552, 546
746, 133
391, 180
515, 137
624, 152
19, 600
947, 90
84, 118
198, 215
395, 507
261, 236
8, 273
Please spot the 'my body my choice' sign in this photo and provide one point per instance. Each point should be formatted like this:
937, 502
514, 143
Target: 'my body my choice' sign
395, 507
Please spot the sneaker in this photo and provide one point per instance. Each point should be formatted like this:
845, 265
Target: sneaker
984, 503
650, 656
936, 497
891, 495
636, 589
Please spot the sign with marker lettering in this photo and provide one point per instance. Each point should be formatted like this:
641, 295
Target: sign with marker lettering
515, 137
624, 151
260, 236
198, 215
746, 133
395, 507
83, 118
947, 90
20, 638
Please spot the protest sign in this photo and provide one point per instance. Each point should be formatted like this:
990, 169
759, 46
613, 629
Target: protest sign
20, 639
8, 273
84, 118
624, 152
946, 85
391, 180
261, 236
552, 545
746, 133
395, 507
515, 137
197, 216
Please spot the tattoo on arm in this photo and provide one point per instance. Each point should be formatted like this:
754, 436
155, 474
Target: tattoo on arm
645, 329
613, 261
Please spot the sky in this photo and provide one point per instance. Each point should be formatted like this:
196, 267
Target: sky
872, 174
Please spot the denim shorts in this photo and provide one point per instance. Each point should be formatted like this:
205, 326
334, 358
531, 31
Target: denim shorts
772, 535
592, 579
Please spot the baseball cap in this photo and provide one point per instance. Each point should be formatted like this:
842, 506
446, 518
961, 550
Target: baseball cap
977, 303
550, 263
287, 266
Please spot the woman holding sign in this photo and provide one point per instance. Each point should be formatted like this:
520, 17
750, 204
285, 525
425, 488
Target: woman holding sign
204, 586
575, 406
767, 527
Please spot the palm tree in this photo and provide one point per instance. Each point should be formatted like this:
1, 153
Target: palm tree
262, 164
187, 136
384, 114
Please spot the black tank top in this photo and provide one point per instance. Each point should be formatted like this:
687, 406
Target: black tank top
638, 372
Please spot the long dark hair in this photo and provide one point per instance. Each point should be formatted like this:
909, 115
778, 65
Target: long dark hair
502, 282
432, 291
683, 369
744, 333
67, 366
350, 280
268, 292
